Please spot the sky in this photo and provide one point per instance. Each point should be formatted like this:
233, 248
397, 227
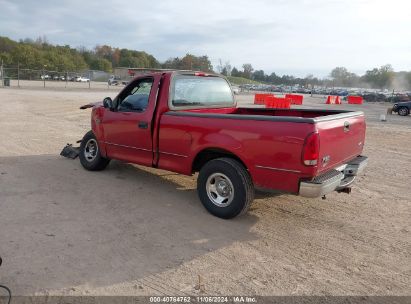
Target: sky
297, 37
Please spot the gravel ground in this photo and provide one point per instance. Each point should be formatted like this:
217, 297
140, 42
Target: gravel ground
130, 230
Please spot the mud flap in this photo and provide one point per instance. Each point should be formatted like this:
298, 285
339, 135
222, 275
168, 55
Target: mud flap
70, 152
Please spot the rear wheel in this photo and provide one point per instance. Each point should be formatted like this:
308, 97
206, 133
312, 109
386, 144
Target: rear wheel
90, 156
403, 111
225, 188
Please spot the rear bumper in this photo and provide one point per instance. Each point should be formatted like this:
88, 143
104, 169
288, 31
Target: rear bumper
335, 179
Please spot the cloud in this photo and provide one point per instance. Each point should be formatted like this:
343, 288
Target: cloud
298, 36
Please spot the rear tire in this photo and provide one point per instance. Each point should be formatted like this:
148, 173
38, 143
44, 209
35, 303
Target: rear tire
225, 188
90, 156
403, 111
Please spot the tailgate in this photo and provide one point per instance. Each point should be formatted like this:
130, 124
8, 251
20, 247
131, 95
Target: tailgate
341, 139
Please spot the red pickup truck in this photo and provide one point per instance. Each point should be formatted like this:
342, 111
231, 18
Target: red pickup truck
188, 122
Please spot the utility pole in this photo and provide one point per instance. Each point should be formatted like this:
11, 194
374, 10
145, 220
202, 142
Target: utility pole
44, 76
2, 74
18, 74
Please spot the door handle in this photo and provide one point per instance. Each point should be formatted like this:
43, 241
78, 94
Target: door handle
143, 124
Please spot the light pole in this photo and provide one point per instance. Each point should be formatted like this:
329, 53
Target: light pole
18, 74
44, 76
2, 73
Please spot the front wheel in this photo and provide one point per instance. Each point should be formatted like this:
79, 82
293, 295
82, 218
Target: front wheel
403, 111
225, 188
90, 156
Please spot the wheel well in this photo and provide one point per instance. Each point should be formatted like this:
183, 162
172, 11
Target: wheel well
212, 153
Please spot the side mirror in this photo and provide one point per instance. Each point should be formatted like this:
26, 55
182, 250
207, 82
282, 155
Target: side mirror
108, 103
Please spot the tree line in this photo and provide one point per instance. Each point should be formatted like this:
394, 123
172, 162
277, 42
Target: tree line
383, 77
40, 54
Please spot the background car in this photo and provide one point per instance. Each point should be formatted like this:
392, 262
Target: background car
399, 98
114, 80
235, 89
402, 108
82, 79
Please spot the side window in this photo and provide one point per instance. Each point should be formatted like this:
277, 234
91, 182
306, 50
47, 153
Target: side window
136, 98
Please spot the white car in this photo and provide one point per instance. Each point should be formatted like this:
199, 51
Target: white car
236, 90
82, 79
114, 80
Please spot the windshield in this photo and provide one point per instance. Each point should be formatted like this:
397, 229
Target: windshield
190, 90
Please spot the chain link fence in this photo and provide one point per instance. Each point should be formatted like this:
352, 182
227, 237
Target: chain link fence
17, 76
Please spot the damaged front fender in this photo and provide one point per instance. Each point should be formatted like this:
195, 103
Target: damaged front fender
91, 105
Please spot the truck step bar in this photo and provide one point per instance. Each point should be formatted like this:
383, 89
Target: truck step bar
337, 179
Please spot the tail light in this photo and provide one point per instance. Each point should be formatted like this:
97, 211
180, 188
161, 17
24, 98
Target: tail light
311, 150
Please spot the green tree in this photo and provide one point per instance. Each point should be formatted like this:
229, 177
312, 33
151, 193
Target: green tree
379, 78
274, 79
6, 58
259, 75
189, 62
100, 64
247, 70
236, 73
136, 59
342, 77
28, 56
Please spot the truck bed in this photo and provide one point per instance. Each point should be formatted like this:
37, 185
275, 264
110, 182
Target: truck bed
268, 141
295, 114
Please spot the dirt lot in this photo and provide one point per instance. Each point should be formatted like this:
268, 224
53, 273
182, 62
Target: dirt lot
134, 231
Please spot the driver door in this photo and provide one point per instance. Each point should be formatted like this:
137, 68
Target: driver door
127, 129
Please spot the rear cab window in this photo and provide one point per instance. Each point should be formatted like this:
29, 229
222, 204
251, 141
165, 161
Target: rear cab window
205, 91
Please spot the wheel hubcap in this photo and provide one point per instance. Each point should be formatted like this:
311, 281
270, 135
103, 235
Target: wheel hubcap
90, 150
220, 189
403, 111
